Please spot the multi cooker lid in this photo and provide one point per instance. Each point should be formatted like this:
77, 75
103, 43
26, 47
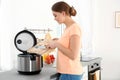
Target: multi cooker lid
24, 40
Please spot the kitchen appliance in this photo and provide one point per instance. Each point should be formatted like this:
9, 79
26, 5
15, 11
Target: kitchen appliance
94, 68
28, 63
94, 72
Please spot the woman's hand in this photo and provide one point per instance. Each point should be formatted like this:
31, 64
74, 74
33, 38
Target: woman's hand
55, 38
52, 43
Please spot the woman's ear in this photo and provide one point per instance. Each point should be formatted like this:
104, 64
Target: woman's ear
63, 13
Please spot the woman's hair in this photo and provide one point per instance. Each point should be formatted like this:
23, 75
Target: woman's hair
63, 6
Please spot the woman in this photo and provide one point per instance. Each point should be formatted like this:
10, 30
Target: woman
69, 45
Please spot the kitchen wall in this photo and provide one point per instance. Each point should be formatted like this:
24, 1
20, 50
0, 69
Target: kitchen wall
106, 38
17, 14
0, 38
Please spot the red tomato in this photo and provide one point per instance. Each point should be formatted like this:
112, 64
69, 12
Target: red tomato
49, 59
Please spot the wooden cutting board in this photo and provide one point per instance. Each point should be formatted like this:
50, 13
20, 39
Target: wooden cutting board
41, 51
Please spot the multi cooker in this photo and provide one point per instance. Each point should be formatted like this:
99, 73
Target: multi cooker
27, 63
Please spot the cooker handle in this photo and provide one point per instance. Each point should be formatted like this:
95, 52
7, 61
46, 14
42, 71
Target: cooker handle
32, 57
41, 61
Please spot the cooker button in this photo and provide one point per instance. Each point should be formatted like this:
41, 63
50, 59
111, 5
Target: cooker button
19, 41
92, 66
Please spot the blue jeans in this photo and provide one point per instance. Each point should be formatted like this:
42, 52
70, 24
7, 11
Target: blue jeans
70, 77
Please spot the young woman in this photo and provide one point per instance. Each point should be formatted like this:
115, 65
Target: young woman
69, 45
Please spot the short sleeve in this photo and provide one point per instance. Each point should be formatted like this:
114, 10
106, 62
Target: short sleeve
75, 30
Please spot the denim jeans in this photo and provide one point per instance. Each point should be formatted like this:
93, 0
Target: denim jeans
70, 77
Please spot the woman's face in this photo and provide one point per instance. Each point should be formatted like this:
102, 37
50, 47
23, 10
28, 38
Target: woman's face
59, 17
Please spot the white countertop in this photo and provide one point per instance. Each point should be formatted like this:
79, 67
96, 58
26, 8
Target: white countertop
45, 74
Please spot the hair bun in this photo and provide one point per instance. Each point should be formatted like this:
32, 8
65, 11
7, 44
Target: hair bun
72, 11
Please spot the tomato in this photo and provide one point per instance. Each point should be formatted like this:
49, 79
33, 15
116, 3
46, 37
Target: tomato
49, 59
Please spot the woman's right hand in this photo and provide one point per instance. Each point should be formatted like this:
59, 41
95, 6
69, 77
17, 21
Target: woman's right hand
55, 38
51, 44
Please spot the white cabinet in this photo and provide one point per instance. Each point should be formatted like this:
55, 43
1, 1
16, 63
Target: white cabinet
92, 66
85, 73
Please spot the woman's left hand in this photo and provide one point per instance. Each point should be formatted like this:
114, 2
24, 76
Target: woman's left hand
51, 44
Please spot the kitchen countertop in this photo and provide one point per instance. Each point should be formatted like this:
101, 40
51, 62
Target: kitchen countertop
90, 60
45, 74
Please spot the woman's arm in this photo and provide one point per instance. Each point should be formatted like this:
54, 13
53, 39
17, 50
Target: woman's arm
74, 49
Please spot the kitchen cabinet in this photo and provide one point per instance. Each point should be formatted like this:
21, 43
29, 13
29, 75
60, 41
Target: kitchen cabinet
91, 68
85, 73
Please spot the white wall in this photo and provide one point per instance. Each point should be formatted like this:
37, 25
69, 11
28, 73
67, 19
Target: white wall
17, 14
0, 38
106, 37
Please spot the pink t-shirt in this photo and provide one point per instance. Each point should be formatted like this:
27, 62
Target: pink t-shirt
64, 64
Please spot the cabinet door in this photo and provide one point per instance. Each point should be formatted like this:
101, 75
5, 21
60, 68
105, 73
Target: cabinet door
85, 73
